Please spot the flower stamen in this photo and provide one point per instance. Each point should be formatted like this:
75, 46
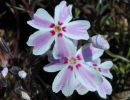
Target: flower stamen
72, 61
57, 29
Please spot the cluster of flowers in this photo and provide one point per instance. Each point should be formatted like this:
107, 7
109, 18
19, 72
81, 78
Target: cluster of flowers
79, 70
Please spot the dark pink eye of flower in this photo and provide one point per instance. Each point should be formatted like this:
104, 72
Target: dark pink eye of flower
72, 61
57, 28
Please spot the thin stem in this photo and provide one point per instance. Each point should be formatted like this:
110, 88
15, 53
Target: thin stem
117, 56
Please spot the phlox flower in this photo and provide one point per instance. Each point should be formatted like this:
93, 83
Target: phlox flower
104, 69
59, 29
73, 69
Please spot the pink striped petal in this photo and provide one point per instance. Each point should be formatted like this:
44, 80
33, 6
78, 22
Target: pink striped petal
77, 30
89, 53
105, 88
63, 13
69, 85
40, 41
63, 48
54, 67
105, 69
41, 20
88, 77
61, 79
81, 89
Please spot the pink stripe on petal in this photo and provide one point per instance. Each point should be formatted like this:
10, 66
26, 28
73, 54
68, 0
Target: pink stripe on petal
41, 22
40, 41
88, 77
63, 47
105, 88
104, 70
63, 13
61, 79
77, 30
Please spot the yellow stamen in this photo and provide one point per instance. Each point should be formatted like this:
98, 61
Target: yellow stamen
57, 29
72, 61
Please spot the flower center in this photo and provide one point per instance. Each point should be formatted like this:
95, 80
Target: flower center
57, 29
96, 68
72, 61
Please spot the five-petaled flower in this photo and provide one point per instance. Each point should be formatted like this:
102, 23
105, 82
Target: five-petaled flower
59, 29
104, 69
74, 69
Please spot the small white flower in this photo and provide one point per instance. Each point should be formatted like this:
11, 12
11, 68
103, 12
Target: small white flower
22, 74
25, 95
4, 72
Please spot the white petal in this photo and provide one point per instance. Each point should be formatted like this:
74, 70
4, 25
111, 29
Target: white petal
105, 69
105, 88
77, 30
82, 90
41, 20
106, 65
63, 13
41, 42
69, 87
88, 77
60, 80
54, 67
63, 48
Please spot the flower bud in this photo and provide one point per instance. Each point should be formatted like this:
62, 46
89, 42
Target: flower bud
100, 42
